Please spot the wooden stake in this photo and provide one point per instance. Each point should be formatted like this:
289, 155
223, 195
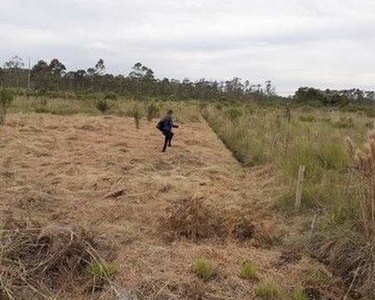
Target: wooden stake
301, 174
29, 75
313, 224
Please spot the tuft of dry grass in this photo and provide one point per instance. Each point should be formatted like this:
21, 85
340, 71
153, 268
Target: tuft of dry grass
193, 219
364, 163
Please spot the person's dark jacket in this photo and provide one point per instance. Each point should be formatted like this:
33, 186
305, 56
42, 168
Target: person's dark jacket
167, 125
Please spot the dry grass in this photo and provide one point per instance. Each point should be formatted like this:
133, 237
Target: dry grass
364, 163
192, 219
37, 261
68, 170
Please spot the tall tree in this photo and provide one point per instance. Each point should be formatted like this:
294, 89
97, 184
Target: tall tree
40, 74
100, 67
14, 65
56, 69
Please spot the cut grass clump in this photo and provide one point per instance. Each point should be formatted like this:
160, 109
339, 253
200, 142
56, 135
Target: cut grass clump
202, 268
269, 290
248, 270
193, 219
46, 258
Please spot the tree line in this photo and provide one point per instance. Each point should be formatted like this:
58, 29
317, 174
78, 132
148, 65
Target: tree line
141, 82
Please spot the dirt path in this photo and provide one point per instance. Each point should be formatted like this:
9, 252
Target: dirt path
61, 168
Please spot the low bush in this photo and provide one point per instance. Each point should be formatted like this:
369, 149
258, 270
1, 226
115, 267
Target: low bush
36, 257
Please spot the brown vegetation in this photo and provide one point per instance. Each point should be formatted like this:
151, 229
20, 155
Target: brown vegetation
67, 172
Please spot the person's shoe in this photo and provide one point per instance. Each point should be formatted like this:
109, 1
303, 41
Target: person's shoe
169, 145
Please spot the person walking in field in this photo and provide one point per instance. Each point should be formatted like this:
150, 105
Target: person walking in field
166, 125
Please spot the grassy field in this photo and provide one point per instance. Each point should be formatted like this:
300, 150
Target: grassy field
336, 149
193, 223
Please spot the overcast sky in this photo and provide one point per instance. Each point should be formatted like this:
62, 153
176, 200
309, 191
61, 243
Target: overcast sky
321, 43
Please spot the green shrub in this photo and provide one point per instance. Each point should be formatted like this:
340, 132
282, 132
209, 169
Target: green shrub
153, 111
248, 270
269, 289
234, 112
6, 98
102, 105
42, 93
203, 269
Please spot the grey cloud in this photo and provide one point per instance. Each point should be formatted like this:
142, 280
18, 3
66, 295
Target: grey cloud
291, 42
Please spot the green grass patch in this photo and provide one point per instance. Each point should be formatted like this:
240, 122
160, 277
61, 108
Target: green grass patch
98, 270
269, 290
203, 269
248, 270
300, 294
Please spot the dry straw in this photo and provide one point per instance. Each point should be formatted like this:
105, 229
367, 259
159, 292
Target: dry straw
364, 163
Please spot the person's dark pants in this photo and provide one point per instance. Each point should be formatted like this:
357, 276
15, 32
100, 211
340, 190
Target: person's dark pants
168, 139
